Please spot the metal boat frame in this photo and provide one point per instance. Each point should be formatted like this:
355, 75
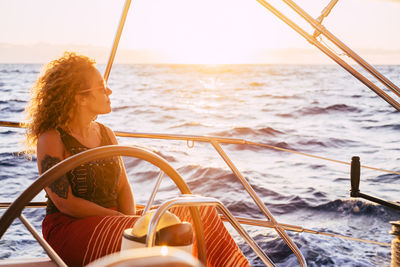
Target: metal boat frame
216, 142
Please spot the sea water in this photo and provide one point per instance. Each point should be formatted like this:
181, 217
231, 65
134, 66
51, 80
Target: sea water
315, 110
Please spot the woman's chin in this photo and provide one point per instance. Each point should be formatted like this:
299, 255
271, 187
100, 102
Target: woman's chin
105, 111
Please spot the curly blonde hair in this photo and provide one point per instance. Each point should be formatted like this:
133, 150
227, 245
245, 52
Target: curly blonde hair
52, 101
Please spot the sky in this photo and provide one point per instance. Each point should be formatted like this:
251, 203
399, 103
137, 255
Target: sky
189, 31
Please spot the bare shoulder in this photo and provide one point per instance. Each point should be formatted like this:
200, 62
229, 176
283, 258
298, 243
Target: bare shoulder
111, 134
50, 137
50, 143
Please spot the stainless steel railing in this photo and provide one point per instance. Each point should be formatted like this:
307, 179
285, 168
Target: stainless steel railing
350, 53
196, 201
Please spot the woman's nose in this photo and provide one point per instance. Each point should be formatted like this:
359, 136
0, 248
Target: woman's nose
108, 91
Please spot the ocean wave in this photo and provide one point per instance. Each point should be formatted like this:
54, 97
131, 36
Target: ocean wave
143, 176
168, 157
132, 162
281, 204
389, 178
7, 132
276, 202
121, 108
213, 182
260, 146
313, 143
317, 250
341, 142
246, 131
359, 208
392, 126
275, 247
281, 144
285, 115
283, 97
330, 109
11, 159
12, 101
273, 146
189, 124
244, 208
212, 175
288, 205
356, 96
8, 71
257, 84
142, 111
246, 147
12, 109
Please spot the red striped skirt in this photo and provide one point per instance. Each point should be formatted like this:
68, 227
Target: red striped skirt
80, 241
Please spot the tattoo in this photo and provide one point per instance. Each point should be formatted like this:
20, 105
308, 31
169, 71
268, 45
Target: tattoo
60, 186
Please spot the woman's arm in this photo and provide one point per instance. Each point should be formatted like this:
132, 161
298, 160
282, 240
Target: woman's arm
50, 151
126, 201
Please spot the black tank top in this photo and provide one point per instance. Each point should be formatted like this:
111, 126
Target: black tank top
97, 180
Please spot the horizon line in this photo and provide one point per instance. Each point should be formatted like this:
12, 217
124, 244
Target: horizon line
40, 53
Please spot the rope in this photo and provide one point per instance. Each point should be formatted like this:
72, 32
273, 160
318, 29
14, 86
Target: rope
318, 157
395, 252
352, 238
299, 229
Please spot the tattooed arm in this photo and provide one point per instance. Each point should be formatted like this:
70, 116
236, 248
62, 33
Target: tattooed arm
60, 187
50, 151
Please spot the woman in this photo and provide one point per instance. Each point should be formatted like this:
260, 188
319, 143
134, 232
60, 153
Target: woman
90, 206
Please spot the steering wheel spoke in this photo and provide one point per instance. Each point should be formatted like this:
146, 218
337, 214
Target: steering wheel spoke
153, 193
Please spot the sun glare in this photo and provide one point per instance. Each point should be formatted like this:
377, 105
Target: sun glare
201, 32
164, 250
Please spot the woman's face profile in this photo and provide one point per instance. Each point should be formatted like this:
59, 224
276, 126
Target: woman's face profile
98, 100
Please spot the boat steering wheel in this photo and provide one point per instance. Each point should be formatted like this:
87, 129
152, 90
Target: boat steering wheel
68, 164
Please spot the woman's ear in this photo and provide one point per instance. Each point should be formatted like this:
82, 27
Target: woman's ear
81, 100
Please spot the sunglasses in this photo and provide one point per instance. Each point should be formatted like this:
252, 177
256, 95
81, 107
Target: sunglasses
104, 87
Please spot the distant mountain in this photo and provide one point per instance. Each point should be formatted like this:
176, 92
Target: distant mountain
43, 52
